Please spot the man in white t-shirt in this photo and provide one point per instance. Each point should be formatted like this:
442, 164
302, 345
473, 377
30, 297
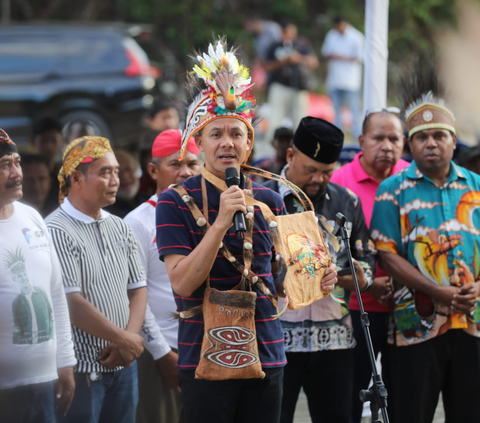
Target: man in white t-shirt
35, 341
344, 49
159, 399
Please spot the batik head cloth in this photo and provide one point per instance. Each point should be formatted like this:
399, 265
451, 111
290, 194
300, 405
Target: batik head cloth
7, 146
224, 87
81, 150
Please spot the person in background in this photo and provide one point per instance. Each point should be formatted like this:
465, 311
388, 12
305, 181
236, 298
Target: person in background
290, 63
159, 393
319, 338
36, 348
163, 115
265, 32
48, 142
282, 139
37, 183
128, 194
382, 143
104, 283
469, 158
344, 49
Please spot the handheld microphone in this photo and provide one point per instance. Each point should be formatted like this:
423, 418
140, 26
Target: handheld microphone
232, 178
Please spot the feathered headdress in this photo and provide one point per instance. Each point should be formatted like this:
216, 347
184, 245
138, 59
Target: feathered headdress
224, 90
423, 100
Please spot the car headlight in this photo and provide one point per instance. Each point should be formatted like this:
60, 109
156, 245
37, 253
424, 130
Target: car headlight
147, 100
148, 83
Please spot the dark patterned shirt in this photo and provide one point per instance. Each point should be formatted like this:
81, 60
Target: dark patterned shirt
326, 324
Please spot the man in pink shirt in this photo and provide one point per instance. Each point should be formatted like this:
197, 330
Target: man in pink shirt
382, 143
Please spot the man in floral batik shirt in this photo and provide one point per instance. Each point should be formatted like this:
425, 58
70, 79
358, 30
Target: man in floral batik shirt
424, 225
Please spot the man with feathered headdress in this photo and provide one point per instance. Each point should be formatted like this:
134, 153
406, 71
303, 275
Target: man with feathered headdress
426, 231
220, 118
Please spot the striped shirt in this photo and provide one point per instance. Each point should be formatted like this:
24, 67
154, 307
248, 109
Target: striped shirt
178, 233
99, 259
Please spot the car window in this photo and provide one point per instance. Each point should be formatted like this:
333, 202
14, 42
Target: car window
158, 55
29, 53
94, 53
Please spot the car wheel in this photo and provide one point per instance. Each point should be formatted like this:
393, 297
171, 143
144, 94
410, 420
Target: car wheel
78, 123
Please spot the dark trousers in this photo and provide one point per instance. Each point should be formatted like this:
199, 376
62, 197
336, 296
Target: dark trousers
232, 401
449, 363
28, 404
326, 377
362, 368
156, 401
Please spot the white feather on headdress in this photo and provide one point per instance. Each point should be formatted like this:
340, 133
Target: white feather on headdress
427, 98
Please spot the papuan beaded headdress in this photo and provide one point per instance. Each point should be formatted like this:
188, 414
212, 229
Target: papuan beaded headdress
423, 97
220, 87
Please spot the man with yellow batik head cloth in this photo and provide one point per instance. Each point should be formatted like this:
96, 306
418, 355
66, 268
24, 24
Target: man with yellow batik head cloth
425, 226
104, 283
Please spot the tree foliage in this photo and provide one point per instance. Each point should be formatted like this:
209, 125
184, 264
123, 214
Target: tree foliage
186, 24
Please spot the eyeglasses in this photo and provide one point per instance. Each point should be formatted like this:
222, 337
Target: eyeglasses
383, 109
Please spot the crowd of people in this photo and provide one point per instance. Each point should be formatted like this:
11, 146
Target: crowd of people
127, 295
289, 61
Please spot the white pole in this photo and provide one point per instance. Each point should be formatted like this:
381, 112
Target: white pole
376, 55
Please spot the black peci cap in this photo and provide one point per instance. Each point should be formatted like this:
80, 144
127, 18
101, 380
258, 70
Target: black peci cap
319, 140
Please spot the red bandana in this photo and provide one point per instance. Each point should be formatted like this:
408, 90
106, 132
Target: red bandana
169, 142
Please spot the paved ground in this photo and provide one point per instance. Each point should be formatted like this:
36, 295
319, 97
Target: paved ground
302, 415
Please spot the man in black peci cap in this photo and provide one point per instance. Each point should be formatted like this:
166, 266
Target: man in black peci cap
319, 338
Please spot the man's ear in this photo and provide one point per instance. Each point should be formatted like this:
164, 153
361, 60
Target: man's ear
75, 177
152, 171
290, 155
361, 140
198, 141
454, 141
249, 140
409, 142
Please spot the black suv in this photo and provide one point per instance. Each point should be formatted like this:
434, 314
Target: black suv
96, 75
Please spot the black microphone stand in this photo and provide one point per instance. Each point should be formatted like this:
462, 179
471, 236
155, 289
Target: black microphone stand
377, 394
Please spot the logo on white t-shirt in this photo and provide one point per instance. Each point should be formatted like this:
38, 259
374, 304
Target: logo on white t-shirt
35, 238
